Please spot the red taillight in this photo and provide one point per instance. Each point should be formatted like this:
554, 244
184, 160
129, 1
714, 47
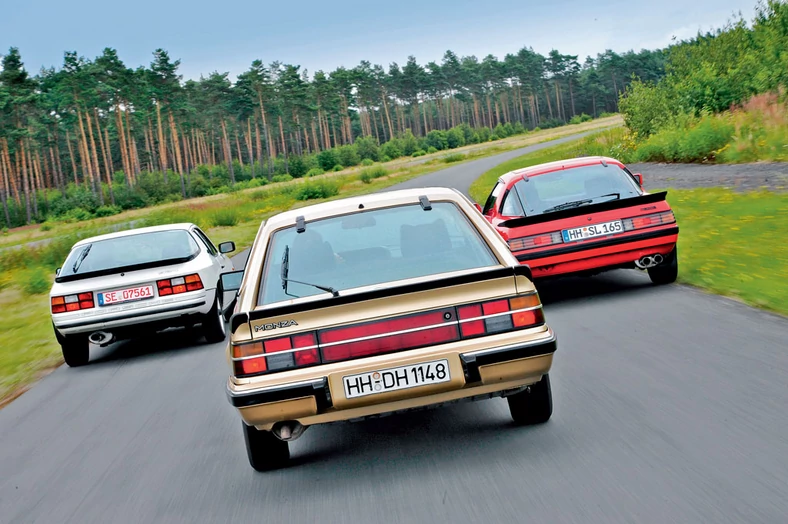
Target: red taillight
545, 239
72, 303
656, 219
276, 354
499, 316
174, 286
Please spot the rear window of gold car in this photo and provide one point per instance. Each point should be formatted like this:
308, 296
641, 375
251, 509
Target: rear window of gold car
373, 247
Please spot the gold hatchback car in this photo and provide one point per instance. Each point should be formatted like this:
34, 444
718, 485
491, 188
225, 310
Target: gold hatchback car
380, 304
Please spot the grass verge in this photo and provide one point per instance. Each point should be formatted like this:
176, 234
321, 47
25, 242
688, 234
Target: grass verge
731, 243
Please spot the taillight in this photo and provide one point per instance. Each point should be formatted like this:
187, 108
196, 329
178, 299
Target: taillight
174, 286
545, 239
276, 354
656, 219
70, 303
499, 316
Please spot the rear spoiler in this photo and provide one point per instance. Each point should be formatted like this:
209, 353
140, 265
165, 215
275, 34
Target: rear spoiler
584, 210
500, 272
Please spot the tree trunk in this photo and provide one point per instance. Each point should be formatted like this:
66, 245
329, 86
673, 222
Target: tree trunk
162, 143
547, 98
94, 155
135, 157
177, 150
31, 175
25, 185
227, 153
388, 118
124, 152
87, 164
238, 150
249, 147
107, 164
4, 190
266, 131
152, 149
571, 97
314, 136
59, 163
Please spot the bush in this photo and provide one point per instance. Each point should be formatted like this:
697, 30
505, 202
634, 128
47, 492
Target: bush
418, 153
483, 134
646, 108
409, 144
551, 123
391, 150
367, 148
108, 211
695, 142
36, 281
605, 114
281, 178
437, 139
327, 159
368, 175
338, 168
46, 226
348, 155
367, 162
453, 157
77, 215
296, 166
579, 119
226, 217
317, 189
315, 171
455, 138
431, 150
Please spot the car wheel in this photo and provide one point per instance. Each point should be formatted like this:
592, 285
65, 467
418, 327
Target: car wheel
76, 350
265, 451
667, 271
213, 326
533, 405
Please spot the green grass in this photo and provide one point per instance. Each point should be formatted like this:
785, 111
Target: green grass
733, 244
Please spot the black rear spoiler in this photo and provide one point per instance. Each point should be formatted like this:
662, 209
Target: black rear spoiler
584, 210
241, 318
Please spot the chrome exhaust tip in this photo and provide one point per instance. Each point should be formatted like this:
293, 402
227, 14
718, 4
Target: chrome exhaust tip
288, 430
101, 338
657, 259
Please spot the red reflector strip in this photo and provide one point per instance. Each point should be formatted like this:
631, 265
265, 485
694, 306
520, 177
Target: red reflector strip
382, 327
59, 308
385, 344
470, 329
73, 306
498, 306
277, 344
656, 219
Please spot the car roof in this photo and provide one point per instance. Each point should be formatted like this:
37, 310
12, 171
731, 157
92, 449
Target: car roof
364, 202
128, 232
548, 167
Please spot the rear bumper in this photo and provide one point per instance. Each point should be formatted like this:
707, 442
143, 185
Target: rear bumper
600, 254
487, 372
148, 318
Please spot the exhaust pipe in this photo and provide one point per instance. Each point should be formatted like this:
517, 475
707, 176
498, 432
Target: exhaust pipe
288, 430
657, 259
649, 261
102, 338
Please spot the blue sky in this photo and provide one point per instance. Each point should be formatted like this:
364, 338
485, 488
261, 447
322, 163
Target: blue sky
227, 35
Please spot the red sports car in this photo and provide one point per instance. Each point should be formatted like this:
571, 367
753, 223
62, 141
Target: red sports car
584, 216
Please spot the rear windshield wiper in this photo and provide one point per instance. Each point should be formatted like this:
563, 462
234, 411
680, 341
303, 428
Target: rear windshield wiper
567, 205
82, 257
617, 195
285, 280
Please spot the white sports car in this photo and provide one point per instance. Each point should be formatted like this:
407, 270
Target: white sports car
121, 285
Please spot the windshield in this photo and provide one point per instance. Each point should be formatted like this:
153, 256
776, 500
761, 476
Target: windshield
372, 247
144, 249
577, 186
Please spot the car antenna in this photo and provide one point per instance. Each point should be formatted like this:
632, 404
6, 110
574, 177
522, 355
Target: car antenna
300, 224
425, 203
604, 163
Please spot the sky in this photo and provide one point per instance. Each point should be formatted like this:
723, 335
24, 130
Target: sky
227, 35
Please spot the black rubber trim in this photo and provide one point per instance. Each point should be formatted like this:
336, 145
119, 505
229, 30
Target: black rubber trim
135, 315
126, 269
277, 395
471, 363
585, 210
438, 283
604, 243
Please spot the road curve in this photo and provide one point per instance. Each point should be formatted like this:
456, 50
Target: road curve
670, 405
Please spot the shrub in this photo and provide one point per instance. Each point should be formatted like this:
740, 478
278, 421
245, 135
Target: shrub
108, 211
367, 148
281, 178
226, 217
338, 168
409, 144
646, 108
418, 153
77, 214
327, 159
484, 134
367, 175
493, 137
691, 141
348, 155
455, 138
431, 150
453, 157
315, 171
47, 226
317, 189
605, 114
390, 150
296, 166
36, 281
367, 162
437, 139
551, 123
385, 159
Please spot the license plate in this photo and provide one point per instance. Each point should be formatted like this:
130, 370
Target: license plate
595, 230
393, 379
125, 295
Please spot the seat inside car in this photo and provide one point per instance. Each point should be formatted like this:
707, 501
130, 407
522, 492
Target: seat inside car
424, 239
310, 254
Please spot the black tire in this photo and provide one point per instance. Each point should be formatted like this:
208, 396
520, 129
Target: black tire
533, 405
76, 350
265, 451
667, 271
213, 327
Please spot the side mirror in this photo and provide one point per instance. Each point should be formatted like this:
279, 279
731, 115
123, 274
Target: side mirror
226, 247
639, 178
57, 271
232, 281
477, 206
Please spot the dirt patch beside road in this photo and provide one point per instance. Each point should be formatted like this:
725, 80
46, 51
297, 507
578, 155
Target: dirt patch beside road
740, 177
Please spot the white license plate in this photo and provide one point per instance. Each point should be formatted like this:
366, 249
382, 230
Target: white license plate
594, 230
393, 379
125, 295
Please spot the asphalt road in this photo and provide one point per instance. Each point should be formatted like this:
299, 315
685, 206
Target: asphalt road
670, 406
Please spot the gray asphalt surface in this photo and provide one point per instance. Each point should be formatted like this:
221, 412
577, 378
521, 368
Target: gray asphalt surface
670, 406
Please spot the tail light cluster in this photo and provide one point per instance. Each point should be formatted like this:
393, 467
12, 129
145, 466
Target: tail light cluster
630, 224
656, 219
72, 302
385, 336
174, 286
